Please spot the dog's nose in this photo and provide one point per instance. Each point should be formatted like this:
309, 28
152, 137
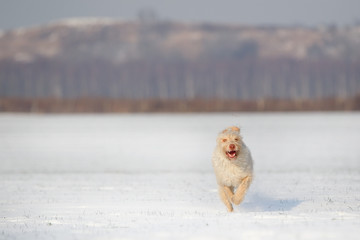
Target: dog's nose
232, 146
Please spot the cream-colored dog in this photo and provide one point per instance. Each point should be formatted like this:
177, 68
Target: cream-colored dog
233, 167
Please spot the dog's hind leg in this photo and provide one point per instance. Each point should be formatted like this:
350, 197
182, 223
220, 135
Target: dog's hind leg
225, 199
241, 190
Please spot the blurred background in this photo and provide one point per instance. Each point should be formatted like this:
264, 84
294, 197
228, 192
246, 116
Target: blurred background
179, 56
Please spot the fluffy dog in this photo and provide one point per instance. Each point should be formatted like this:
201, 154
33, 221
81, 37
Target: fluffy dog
233, 167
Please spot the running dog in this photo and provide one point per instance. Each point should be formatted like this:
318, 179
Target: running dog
233, 167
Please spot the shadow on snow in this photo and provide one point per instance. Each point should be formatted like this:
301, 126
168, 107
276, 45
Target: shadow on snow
259, 202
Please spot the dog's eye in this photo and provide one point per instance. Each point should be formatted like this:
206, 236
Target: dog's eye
236, 139
224, 140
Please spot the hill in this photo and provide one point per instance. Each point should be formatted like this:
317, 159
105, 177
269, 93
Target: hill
158, 60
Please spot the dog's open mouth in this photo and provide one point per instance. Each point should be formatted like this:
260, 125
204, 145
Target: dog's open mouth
231, 154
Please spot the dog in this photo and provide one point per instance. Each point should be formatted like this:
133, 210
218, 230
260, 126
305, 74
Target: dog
233, 166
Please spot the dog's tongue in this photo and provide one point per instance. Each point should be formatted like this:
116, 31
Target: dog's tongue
232, 154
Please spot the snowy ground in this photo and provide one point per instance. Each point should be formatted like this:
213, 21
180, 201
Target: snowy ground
150, 177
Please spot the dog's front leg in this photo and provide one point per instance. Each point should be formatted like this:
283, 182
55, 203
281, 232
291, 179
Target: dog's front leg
229, 191
225, 198
241, 190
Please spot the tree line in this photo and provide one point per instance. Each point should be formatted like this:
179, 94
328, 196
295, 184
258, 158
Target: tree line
208, 78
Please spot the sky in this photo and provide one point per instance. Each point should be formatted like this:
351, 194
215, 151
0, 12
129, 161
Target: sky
25, 13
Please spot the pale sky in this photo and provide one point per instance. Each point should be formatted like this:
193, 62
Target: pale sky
23, 13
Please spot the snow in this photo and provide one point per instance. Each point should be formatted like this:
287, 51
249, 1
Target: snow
85, 21
150, 177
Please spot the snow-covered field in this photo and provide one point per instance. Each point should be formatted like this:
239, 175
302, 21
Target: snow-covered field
150, 177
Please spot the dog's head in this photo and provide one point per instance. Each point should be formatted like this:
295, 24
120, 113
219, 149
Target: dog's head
230, 142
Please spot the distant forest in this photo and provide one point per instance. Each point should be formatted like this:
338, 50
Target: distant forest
227, 75
246, 79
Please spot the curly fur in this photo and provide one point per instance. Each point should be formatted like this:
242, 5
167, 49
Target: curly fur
233, 166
